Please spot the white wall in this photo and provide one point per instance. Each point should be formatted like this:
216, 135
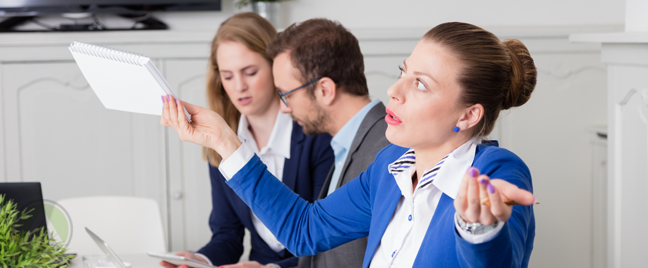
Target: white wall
356, 14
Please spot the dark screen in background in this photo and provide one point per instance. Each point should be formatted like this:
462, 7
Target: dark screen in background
26, 195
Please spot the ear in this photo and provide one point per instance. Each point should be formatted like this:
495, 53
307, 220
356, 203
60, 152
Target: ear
471, 116
326, 91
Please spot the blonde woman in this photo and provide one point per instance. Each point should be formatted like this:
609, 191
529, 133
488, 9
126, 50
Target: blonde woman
241, 90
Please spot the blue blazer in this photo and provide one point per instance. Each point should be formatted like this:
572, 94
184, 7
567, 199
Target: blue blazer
311, 157
365, 205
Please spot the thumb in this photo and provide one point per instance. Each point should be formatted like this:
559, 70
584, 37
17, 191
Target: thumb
191, 109
511, 192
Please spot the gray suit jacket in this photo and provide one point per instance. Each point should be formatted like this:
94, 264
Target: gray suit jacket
368, 141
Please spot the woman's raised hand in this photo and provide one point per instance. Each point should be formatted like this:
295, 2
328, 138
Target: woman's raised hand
207, 128
485, 201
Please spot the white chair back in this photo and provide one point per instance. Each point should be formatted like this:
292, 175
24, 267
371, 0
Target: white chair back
130, 225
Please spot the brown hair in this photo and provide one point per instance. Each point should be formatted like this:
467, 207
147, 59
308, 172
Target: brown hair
497, 75
255, 33
323, 48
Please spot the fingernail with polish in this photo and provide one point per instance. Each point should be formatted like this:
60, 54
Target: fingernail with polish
167, 97
176, 101
483, 181
535, 201
473, 172
491, 189
162, 99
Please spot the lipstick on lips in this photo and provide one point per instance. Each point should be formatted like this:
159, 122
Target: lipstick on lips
391, 118
244, 101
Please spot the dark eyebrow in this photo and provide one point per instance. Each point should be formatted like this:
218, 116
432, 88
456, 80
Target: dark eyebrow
420, 73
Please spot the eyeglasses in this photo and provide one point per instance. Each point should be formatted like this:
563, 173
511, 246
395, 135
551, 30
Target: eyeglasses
282, 96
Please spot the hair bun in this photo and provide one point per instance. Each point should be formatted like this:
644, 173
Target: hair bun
523, 74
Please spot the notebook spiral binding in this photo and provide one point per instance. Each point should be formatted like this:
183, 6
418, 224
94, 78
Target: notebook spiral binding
109, 53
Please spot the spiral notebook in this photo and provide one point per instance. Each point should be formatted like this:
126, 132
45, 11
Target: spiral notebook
123, 80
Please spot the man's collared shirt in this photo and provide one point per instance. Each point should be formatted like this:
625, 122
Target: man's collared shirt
341, 142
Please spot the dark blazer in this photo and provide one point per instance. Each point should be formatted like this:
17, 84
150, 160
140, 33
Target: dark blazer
304, 173
368, 141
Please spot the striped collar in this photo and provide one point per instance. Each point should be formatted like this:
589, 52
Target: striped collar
445, 175
408, 162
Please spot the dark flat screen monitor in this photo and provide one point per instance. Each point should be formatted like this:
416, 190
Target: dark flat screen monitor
10, 8
26, 195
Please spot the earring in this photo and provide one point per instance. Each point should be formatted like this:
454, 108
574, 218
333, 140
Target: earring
456, 129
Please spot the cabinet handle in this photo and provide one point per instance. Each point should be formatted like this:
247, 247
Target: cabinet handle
601, 135
177, 195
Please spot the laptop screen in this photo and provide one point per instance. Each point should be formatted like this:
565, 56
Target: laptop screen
26, 195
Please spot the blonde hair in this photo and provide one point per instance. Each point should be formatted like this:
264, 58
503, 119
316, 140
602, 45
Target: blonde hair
255, 33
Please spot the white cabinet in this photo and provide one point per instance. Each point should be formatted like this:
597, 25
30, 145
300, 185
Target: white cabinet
599, 197
56, 131
626, 55
189, 183
628, 158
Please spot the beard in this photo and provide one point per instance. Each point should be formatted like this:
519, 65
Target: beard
316, 125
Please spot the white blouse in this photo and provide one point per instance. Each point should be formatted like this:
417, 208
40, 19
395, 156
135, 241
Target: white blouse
404, 234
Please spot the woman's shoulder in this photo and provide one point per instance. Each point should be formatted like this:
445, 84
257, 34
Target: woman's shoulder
489, 150
501, 163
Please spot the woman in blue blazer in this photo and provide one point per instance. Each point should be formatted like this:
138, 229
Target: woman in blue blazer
440, 195
240, 88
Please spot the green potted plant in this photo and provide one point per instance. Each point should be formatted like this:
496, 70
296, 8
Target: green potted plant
269, 9
26, 249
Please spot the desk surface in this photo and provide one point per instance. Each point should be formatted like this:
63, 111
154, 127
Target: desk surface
136, 260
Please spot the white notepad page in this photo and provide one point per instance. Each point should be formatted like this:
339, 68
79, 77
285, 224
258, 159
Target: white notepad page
122, 80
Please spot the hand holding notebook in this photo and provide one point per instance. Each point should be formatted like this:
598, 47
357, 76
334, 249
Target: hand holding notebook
122, 80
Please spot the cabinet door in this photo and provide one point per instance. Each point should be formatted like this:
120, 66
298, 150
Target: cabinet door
189, 184
628, 148
57, 132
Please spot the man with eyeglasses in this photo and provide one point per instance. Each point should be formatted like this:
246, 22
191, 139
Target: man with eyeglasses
319, 74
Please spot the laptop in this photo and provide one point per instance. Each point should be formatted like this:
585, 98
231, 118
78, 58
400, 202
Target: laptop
107, 250
26, 195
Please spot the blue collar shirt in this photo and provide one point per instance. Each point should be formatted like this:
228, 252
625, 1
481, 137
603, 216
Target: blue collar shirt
341, 142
